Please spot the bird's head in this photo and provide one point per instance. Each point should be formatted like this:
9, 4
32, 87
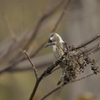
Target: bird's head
54, 39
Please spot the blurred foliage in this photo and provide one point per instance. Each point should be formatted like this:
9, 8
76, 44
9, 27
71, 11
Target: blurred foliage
86, 96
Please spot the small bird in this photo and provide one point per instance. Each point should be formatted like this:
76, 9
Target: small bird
59, 46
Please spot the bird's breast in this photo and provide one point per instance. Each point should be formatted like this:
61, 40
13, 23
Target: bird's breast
58, 52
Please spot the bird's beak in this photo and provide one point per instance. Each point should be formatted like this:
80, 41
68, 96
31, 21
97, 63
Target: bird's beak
48, 44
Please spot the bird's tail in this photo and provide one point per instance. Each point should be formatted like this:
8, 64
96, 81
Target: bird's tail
61, 79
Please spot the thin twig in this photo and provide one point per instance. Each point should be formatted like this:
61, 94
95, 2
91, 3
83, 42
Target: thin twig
4, 54
33, 66
61, 16
88, 42
91, 50
44, 61
13, 36
94, 49
10, 28
60, 86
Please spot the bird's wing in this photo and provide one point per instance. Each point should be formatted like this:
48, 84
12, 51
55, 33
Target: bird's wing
64, 46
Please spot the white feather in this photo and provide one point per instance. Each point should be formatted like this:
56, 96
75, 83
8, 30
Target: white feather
60, 38
51, 38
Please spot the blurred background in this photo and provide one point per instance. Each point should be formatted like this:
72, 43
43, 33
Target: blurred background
18, 20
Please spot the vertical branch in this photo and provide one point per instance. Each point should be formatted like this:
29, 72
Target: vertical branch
33, 66
23, 15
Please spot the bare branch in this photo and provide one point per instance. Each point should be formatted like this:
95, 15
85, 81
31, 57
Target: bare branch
62, 14
88, 42
10, 28
94, 49
33, 66
8, 66
40, 62
44, 74
60, 86
3, 54
13, 36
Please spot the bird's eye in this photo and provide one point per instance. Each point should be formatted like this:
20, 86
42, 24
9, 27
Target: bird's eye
50, 40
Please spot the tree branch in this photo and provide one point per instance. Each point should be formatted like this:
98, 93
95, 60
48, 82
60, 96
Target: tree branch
44, 74
61, 16
10, 28
60, 86
88, 42
13, 36
33, 66
94, 49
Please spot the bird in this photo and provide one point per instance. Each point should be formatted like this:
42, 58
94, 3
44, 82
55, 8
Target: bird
59, 46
